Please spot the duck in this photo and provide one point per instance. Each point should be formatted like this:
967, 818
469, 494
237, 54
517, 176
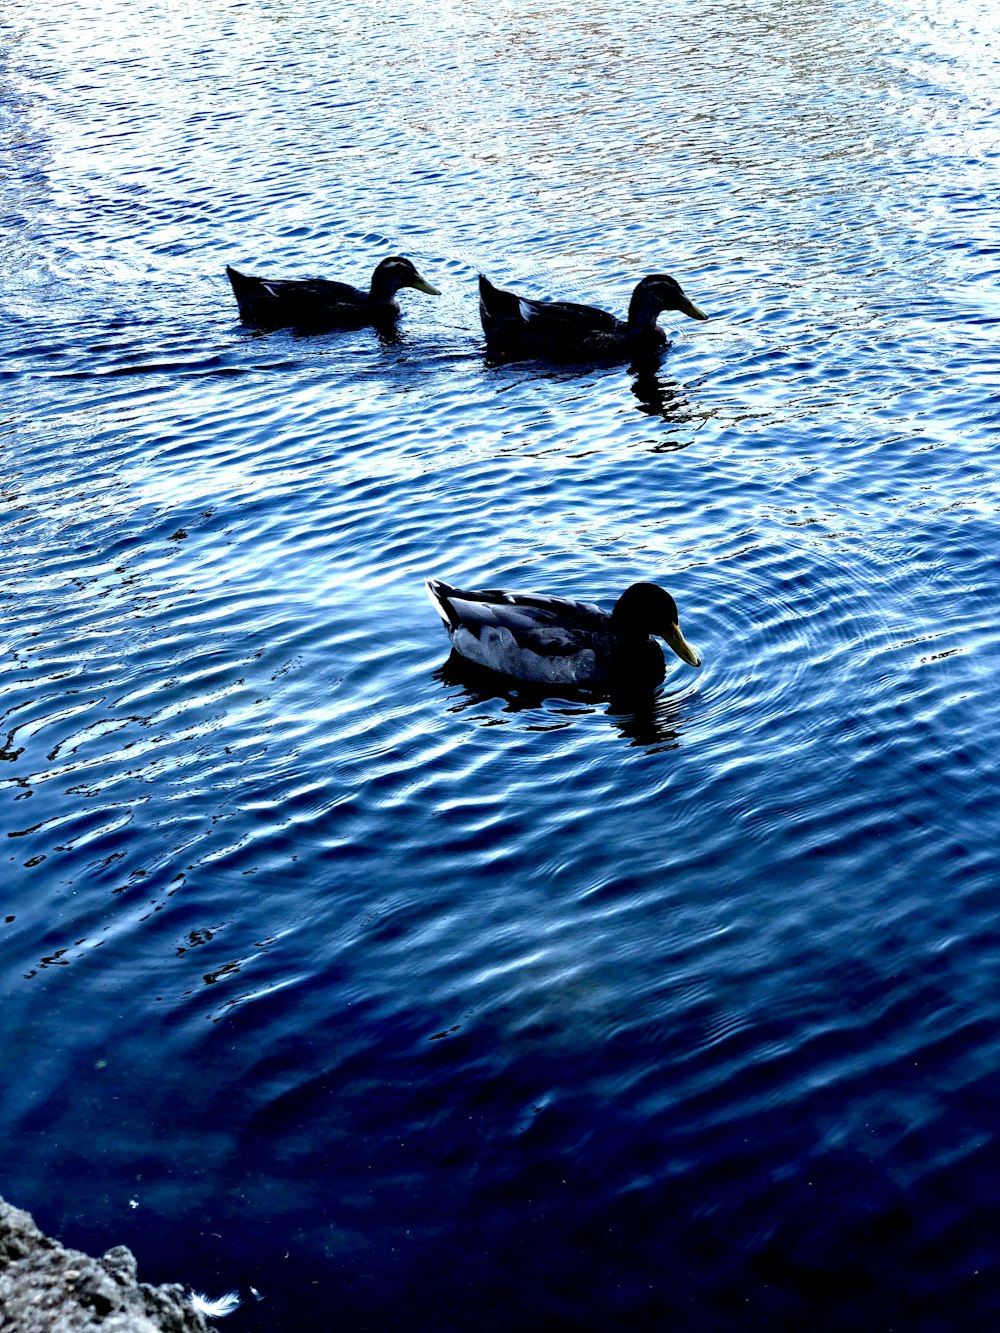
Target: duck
560, 642
560, 330
320, 303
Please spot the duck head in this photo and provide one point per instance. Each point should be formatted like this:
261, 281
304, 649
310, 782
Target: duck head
659, 292
646, 608
396, 272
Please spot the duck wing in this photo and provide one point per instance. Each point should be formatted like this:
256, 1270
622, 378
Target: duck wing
505, 314
319, 291
558, 319
265, 299
547, 626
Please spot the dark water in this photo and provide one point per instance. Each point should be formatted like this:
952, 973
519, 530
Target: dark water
410, 1005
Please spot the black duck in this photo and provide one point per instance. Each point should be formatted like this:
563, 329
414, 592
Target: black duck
555, 641
313, 303
562, 331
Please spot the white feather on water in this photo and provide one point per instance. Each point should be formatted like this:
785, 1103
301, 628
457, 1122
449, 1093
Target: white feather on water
217, 1309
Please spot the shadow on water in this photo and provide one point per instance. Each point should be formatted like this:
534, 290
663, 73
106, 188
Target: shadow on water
567, 364
648, 722
655, 394
647, 719
387, 331
658, 397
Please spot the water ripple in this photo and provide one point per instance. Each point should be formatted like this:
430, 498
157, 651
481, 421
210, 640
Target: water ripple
535, 1000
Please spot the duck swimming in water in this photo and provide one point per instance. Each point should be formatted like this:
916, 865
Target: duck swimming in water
555, 641
275, 303
562, 331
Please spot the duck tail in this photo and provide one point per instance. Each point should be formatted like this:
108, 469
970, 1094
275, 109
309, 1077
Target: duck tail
244, 287
253, 296
495, 301
438, 591
496, 307
241, 283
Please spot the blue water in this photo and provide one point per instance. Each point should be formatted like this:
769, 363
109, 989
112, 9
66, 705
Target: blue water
329, 973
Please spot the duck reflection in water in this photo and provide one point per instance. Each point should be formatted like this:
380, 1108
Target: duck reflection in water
658, 397
646, 719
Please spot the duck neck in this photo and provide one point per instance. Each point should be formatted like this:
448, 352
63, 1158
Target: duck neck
384, 288
643, 310
638, 658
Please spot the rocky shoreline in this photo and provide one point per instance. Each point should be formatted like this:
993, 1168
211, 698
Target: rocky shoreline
46, 1288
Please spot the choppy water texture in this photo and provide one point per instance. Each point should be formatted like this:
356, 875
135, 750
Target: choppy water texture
409, 1004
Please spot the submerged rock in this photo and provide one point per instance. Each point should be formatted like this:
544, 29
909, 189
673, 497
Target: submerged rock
45, 1288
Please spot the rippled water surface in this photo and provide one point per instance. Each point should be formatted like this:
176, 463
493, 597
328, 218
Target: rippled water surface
413, 1002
